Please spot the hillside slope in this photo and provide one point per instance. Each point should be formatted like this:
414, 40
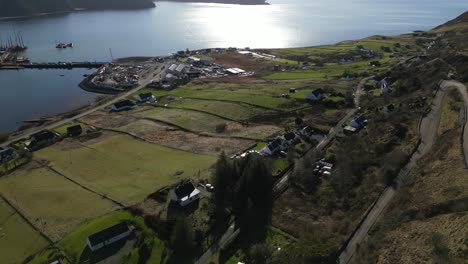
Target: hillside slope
12, 8
426, 223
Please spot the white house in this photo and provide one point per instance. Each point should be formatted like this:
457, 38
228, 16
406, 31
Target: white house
315, 95
185, 194
123, 105
146, 98
108, 236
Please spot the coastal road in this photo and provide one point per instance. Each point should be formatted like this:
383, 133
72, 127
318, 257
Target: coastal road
428, 133
142, 84
282, 183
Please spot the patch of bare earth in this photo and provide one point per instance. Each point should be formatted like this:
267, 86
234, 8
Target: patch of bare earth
107, 120
196, 143
236, 60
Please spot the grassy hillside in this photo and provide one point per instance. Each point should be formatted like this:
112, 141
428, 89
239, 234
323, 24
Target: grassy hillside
11, 8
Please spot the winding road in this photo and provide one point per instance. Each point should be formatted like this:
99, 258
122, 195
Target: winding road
428, 131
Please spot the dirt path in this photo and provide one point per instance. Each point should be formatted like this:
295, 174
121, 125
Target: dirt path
428, 131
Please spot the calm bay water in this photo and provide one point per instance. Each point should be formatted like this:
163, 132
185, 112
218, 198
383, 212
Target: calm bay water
176, 26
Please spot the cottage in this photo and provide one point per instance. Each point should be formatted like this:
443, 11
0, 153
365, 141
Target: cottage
274, 147
292, 90
74, 131
315, 95
146, 98
6, 155
108, 236
185, 194
291, 138
306, 131
358, 122
123, 106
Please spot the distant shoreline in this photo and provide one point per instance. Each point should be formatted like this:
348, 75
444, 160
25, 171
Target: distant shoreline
230, 2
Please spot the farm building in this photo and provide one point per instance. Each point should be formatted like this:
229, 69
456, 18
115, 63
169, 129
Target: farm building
123, 105
6, 155
108, 236
74, 131
358, 122
315, 95
234, 71
185, 194
146, 98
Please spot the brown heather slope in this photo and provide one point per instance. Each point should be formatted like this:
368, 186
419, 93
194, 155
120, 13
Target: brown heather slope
427, 223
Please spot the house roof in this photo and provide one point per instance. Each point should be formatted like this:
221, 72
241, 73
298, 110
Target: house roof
290, 136
180, 68
173, 67
108, 233
318, 92
184, 189
6, 152
74, 128
275, 144
43, 135
145, 96
360, 119
124, 103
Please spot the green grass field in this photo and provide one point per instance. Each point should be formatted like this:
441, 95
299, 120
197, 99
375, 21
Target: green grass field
18, 239
51, 202
258, 94
124, 168
75, 243
207, 123
191, 120
235, 111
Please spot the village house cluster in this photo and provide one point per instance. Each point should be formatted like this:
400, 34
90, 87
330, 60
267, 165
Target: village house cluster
280, 145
